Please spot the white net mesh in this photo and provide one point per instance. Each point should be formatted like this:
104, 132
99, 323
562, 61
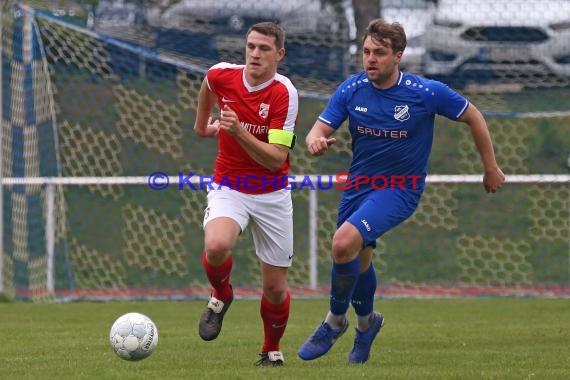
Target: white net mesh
80, 103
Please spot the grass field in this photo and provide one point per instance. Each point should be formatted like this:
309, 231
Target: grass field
491, 338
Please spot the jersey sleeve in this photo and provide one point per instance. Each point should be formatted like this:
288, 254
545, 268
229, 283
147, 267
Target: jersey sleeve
284, 118
215, 75
336, 111
448, 102
211, 76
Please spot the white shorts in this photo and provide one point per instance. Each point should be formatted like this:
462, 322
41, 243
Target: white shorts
271, 215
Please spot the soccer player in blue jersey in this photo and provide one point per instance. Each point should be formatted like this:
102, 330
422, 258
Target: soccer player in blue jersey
391, 121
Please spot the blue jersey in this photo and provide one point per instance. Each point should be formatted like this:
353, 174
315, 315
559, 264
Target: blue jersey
391, 129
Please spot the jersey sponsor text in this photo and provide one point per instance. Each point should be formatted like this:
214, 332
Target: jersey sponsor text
382, 133
255, 129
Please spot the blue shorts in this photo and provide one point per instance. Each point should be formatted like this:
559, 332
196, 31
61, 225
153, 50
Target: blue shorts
377, 212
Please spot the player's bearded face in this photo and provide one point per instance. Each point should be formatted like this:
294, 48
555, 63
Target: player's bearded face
379, 60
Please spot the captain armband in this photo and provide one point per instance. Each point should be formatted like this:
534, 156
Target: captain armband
279, 136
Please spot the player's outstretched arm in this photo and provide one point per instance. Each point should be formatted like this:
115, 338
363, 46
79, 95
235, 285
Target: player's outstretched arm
493, 177
318, 140
203, 126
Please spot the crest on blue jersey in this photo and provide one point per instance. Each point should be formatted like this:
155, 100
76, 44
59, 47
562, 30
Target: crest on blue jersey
401, 113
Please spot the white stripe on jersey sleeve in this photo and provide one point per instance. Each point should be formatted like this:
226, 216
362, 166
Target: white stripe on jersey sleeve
463, 109
328, 122
222, 65
226, 65
293, 102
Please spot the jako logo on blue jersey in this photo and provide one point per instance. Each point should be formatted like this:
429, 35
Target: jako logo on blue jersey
401, 113
361, 109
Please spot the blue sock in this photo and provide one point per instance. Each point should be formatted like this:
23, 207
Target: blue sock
363, 295
343, 280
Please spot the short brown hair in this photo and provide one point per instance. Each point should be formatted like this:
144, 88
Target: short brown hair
270, 29
381, 30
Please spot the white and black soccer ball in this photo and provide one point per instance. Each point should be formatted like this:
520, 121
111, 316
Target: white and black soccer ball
133, 336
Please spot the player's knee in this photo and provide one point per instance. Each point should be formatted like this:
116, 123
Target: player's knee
275, 293
217, 250
343, 249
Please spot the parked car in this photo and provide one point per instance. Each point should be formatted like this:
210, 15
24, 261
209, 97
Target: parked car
123, 20
525, 42
321, 34
415, 16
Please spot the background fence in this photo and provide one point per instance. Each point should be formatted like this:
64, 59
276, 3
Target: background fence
90, 103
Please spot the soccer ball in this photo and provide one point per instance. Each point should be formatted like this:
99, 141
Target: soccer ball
133, 336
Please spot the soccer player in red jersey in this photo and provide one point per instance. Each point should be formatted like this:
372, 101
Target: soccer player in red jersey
255, 131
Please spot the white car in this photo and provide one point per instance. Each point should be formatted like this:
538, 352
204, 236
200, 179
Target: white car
415, 16
525, 42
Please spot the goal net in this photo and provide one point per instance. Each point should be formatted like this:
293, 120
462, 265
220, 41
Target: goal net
87, 117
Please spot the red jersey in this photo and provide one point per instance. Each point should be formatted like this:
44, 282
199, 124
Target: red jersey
270, 105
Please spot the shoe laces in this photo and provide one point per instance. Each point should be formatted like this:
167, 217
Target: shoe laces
359, 343
322, 332
210, 314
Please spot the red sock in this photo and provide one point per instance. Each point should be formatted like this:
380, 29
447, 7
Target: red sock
219, 278
274, 322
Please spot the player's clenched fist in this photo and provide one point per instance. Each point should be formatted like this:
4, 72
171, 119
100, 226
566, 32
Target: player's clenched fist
229, 121
319, 145
493, 180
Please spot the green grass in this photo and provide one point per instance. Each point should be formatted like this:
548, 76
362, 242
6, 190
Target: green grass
422, 339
